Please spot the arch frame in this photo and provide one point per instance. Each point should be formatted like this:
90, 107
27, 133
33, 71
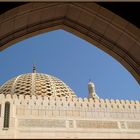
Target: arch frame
89, 21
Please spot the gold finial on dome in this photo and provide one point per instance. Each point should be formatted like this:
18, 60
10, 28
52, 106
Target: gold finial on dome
34, 68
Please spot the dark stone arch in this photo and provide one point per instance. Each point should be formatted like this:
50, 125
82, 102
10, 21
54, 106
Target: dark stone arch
89, 21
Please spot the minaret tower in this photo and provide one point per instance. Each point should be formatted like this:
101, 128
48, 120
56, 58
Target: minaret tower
91, 89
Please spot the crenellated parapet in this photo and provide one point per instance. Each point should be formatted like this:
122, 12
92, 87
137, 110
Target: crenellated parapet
72, 103
35, 111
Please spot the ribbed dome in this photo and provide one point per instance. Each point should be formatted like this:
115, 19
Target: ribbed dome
36, 84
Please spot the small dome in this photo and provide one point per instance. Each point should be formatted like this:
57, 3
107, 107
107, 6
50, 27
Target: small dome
36, 84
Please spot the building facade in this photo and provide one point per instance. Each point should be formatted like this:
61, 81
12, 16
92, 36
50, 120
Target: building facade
36, 105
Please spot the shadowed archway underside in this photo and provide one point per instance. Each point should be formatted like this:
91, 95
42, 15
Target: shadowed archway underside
89, 21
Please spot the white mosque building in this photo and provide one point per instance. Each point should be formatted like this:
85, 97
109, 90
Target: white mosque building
37, 105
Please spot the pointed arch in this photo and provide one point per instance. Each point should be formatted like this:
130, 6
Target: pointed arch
89, 21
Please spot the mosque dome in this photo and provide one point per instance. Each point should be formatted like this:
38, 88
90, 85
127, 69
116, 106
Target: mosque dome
36, 84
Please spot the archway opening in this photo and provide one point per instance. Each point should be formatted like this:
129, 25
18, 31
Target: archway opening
73, 60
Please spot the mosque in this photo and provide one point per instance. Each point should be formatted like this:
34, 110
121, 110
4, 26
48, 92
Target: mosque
37, 105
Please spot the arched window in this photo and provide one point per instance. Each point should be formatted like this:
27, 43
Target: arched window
6, 115
0, 110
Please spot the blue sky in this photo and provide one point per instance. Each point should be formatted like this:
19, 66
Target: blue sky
74, 61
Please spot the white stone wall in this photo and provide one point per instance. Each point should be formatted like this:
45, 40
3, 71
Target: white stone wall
54, 117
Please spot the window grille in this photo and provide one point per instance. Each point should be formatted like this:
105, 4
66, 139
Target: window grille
6, 115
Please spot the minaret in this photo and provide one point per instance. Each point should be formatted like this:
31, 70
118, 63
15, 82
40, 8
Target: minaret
91, 89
